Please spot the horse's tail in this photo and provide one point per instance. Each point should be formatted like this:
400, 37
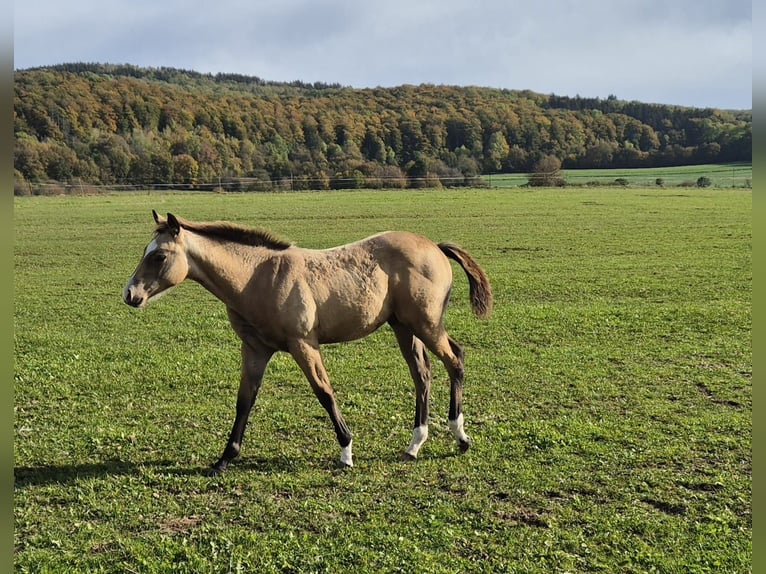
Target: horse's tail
480, 290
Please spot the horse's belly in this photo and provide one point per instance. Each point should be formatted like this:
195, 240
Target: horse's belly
352, 314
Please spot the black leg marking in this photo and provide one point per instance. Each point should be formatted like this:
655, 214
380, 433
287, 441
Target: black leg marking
254, 362
414, 353
309, 359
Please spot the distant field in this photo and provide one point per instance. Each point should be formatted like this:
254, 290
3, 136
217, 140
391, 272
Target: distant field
721, 176
609, 396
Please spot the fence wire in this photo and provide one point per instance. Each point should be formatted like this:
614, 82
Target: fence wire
717, 176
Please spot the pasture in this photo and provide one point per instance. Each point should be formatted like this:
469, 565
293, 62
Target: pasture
732, 175
608, 396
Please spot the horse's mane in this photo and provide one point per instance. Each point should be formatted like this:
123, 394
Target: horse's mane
235, 233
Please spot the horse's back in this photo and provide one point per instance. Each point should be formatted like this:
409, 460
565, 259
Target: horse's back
406, 251
361, 285
414, 256
383, 261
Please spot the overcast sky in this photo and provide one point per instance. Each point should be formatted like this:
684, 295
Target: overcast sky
684, 52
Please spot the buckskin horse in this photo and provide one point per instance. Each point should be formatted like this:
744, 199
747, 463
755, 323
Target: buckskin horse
281, 297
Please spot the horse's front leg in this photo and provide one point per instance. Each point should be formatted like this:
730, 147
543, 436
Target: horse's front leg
309, 359
255, 357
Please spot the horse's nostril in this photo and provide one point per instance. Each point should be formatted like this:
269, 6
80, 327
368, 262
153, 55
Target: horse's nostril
133, 301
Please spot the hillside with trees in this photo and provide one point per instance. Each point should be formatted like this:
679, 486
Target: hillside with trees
124, 125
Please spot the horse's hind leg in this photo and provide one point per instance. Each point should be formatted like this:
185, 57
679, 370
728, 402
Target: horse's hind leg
309, 359
456, 397
452, 355
414, 352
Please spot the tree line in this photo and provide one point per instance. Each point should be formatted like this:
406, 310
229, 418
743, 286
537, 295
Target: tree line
121, 124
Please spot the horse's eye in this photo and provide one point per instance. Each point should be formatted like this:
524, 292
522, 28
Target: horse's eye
160, 257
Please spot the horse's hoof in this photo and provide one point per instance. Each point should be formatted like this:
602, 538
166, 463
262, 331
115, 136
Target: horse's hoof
464, 445
407, 457
215, 471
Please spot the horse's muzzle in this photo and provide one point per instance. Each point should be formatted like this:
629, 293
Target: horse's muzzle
132, 299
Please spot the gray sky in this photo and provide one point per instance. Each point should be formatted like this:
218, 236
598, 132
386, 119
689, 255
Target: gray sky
684, 52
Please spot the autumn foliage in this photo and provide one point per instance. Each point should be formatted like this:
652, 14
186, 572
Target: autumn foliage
123, 125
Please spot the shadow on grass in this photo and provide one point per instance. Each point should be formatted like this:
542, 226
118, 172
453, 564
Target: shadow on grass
26, 476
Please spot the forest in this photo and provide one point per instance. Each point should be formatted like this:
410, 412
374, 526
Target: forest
122, 125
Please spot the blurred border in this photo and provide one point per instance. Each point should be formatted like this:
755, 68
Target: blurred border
6, 307
759, 307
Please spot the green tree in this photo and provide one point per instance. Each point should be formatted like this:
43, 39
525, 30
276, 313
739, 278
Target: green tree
186, 169
311, 136
600, 154
276, 153
497, 151
373, 147
413, 142
547, 173
26, 158
112, 155
61, 162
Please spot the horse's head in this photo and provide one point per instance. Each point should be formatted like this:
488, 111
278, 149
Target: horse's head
163, 265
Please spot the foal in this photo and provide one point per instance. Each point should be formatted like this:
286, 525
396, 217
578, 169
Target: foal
280, 297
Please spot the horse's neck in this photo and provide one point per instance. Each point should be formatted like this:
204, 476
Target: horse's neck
219, 266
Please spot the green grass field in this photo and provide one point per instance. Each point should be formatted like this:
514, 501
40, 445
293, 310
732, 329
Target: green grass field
608, 397
739, 175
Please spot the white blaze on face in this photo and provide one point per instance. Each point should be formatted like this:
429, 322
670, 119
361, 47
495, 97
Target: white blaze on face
151, 247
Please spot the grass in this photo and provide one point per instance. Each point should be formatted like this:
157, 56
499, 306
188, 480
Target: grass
720, 176
609, 396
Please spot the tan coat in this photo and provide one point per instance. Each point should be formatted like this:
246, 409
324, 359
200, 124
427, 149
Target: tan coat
281, 297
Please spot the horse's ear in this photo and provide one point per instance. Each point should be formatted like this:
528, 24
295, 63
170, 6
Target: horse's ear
173, 224
156, 217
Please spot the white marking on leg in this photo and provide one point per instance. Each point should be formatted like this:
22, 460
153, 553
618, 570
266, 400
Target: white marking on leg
456, 427
345, 455
419, 436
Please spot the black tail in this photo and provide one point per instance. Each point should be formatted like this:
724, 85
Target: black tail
480, 290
